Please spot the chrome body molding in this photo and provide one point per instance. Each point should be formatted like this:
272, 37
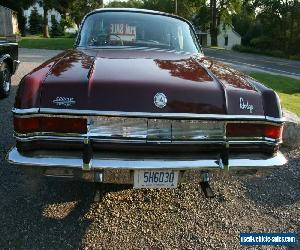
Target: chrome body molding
105, 161
25, 111
142, 141
45, 111
273, 119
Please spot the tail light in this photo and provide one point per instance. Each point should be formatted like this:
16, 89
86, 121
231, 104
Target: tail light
26, 125
50, 124
253, 130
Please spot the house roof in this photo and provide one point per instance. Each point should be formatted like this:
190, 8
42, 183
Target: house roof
200, 32
1, 6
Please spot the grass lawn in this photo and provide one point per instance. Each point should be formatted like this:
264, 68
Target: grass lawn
36, 42
287, 88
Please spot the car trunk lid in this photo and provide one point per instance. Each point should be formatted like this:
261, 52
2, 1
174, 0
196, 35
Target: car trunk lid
111, 82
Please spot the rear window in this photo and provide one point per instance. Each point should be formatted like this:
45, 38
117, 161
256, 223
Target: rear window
130, 29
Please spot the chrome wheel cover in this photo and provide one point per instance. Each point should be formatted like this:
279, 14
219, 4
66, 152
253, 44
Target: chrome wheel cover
6, 80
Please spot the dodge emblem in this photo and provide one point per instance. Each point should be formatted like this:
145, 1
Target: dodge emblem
244, 104
160, 100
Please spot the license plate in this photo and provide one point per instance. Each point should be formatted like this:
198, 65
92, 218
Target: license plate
155, 179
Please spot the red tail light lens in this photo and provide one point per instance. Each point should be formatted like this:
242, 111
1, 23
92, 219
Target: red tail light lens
272, 131
26, 125
50, 124
63, 125
253, 130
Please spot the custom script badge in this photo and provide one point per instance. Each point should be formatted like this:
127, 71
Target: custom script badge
244, 104
64, 101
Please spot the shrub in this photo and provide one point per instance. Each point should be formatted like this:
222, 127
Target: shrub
263, 42
295, 57
278, 53
71, 35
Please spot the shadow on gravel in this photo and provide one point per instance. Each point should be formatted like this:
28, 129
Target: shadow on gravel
43, 214
38, 213
278, 189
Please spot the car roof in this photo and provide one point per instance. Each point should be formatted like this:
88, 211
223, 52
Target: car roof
136, 10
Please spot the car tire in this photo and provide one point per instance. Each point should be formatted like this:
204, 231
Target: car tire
5, 80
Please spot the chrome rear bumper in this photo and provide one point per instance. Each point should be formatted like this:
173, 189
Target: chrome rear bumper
68, 164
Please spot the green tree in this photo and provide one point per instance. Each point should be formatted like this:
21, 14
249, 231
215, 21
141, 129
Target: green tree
35, 22
127, 4
245, 24
202, 18
185, 8
47, 5
279, 23
56, 28
79, 8
221, 11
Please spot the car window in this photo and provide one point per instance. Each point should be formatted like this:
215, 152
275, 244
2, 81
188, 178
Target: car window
107, 29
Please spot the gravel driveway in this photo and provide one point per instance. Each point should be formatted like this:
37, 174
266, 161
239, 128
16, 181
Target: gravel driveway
49, 214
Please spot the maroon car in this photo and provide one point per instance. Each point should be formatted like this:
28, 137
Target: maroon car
137, 101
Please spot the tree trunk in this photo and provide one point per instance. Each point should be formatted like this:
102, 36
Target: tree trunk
213, 23
292, 24
45, 25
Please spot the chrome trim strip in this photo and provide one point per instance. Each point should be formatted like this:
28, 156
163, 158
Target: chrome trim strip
273, 119
43, 111
155, 164
25, 111
236, 162
50, 138
253, 142
253, 139
142, 141
148, 114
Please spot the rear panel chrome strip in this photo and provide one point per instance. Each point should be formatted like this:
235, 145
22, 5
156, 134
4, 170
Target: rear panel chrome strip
25, 111
124, 141
42, 111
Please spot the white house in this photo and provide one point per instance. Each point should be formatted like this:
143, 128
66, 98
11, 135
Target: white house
52, 12
227, 37
41, 12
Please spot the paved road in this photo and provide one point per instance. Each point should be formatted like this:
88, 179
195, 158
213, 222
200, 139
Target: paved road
36, 55
252, 62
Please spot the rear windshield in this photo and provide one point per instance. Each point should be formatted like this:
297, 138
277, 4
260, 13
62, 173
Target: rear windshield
130, 29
